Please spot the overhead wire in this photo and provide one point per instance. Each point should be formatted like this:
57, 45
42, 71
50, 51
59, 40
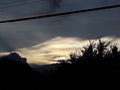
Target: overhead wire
60, 14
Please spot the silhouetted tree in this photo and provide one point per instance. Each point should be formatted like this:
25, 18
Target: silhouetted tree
99, 62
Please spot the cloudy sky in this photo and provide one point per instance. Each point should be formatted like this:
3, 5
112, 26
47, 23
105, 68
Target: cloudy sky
45, 40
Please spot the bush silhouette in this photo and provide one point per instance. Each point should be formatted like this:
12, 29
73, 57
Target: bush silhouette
95, 52
95, 65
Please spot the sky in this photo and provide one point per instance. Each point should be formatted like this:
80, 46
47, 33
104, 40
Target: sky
43, 41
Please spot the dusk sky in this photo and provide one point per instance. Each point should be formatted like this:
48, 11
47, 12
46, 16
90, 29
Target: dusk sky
43, 41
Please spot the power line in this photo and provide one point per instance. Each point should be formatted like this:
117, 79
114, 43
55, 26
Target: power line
19, 4
60, 14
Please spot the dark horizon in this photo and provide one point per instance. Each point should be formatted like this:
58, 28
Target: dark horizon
98, 67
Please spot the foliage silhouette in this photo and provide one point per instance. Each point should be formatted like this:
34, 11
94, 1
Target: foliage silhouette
96, 65
95, 52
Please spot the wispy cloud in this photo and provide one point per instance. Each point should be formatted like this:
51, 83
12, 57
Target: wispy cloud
56, 48
29, 37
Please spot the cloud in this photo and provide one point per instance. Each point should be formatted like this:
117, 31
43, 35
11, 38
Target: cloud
86, 26
29, 8
70, 5
56, 48
35, 36
20, 35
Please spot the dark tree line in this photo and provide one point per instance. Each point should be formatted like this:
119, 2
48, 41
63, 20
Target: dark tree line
101, 52
95, 66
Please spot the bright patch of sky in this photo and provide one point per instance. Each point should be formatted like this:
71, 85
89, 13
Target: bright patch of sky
44, 40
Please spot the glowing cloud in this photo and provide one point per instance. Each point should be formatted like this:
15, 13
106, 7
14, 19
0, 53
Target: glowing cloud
56, 48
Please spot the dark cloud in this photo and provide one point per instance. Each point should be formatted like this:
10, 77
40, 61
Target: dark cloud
4, 45
54, 4
40, 7
86, 25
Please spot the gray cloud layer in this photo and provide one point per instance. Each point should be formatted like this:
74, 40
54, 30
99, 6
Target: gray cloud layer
87, 25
